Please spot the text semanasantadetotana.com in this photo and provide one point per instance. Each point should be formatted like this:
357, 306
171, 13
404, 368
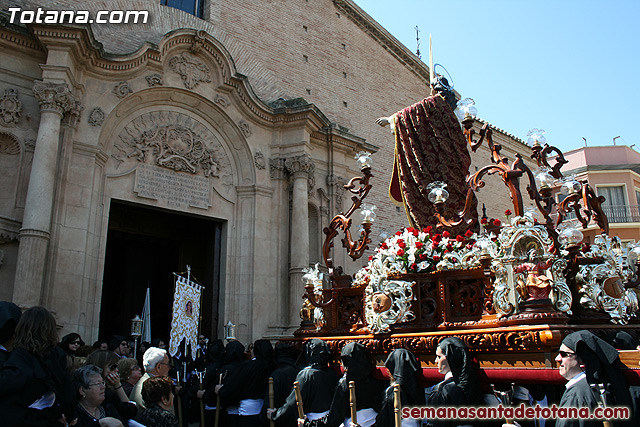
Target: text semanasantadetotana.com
519, 412
42, 16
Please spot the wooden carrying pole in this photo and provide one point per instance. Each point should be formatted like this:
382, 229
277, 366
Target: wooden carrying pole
296, 387
271, 400
201, 401
397, 406
352, 402
217, 418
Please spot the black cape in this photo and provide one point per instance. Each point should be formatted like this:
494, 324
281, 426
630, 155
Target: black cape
405, 369
251, 379
369, 390
578, 396
317, 383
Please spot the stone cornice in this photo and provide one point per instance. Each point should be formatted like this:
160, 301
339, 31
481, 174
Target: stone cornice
9, 229
342, 139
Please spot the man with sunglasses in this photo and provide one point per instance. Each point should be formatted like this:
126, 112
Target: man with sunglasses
585, 359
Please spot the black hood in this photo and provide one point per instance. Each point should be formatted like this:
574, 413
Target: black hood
263, 351
9, 316
462, 367
317, 353
215, 352
404, 366
356, 361
602, 364
233, 352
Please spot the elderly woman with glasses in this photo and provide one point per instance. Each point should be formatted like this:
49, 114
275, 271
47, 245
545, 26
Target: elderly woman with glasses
158, 397
114, 393
130, 374
90, 388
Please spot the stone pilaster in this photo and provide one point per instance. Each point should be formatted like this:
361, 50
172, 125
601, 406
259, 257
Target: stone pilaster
55, 100
301, 170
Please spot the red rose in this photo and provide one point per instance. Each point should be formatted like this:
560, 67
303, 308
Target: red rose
429, 229
436, 238
459, 238
423, 257
419, 245
449, 247
483, 220
497, 222
436, 258
469, 233
398, 233
370, 257
507, 212
402, 244
414, 266
384, 245
410, 229
415, 233
400, 252
446, 234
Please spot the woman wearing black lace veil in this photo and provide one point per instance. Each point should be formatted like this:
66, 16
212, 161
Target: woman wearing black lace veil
404, 369
461, 386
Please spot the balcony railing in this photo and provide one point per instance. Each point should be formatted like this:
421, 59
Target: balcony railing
622, 213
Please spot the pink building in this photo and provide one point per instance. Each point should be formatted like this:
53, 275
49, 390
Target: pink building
614, 172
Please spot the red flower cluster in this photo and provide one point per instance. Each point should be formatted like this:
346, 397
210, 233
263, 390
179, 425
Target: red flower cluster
508, 212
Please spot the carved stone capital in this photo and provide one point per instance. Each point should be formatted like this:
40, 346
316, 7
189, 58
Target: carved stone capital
300, 167
54, 97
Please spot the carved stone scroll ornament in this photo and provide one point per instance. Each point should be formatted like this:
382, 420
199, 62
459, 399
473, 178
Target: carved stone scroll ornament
386, 303
601, 286
244, 128
96, 117
221, 101
122, 89
191, 69
154, 80
259, 160
10, 108
174, 141
54, 97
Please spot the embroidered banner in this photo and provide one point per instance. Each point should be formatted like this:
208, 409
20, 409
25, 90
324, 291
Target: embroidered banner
186, 315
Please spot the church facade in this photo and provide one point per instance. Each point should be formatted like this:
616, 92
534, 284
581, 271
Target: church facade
221, 142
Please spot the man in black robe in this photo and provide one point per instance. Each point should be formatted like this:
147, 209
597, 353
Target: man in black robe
359, 369
9, 317
283, 378
248, 384
585, 359
317, 383
404, 369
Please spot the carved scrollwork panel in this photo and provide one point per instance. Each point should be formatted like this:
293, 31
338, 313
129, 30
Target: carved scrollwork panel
10, 108
387, 304
191, 69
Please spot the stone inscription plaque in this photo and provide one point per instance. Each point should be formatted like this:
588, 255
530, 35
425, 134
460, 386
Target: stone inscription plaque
177, 190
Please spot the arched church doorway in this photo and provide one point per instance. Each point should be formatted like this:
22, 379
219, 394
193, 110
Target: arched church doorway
145, 246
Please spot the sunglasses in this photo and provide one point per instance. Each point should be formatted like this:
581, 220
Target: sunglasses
74, 342
566, 353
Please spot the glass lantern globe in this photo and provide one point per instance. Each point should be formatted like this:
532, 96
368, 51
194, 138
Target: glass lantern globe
364, 159
536, 137
569, 234
367, 213
543, 178
570, 186
437, 192
465, 109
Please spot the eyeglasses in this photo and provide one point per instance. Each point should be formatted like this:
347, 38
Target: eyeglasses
99, 384
566, 353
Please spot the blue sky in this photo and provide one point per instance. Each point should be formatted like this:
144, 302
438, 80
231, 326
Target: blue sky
569, 67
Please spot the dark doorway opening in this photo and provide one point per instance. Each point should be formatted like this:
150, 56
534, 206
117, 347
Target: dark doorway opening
145, 246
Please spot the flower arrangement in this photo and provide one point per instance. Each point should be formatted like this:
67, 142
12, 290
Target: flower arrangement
417, 251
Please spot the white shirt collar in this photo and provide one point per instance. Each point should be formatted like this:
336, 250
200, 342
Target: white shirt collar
448, 375
575, 379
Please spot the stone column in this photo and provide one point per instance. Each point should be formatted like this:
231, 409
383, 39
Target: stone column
55, 100
301, 169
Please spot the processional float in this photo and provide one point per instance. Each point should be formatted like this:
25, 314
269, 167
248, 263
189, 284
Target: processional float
511, 291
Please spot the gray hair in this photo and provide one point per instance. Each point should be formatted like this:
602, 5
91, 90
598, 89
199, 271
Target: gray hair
83, 374
152, 357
